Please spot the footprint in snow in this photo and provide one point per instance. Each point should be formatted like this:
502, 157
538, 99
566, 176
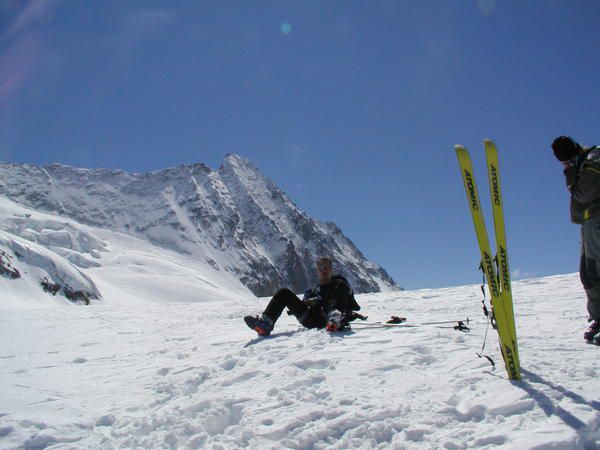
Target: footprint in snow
388, 367
239, 379
425, 360
475, 413
178, 339
415, 435
229, 363
106, 421
308, 364
422, 349
491, 440
192, 385
307, 382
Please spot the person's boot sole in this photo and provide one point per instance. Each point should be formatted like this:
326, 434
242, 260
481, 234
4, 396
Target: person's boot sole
250, 321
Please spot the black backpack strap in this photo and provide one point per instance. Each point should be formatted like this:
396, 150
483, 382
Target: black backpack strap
578, 165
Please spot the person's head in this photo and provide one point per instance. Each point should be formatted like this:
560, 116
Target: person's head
565, 148
324, 267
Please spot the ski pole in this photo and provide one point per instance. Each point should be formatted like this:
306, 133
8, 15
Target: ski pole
446, 321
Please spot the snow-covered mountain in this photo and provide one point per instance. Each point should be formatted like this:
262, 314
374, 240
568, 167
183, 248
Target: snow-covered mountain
233, 219
80, 263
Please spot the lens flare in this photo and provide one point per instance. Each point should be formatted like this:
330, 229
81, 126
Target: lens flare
286, 28
487, 7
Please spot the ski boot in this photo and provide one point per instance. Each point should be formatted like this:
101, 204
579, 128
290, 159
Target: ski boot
592, 332
263, 325
336, 321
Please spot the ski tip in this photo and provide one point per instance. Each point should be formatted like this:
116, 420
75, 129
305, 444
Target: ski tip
488, 141
459, 147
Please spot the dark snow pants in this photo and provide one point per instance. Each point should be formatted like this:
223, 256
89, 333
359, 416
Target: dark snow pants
589, 267
308, 316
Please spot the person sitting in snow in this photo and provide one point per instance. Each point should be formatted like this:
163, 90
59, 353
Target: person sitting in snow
327, 305
582, 172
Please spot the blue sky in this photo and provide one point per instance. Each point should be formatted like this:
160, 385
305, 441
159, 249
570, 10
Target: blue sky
351, 107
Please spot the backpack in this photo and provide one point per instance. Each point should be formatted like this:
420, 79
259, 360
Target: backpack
354, 306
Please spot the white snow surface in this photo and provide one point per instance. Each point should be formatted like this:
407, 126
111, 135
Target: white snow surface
135, 371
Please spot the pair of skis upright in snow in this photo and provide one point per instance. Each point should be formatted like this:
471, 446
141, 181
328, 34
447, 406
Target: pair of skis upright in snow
498, 275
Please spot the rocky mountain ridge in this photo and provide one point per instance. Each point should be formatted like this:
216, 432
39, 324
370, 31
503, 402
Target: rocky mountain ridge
233, 218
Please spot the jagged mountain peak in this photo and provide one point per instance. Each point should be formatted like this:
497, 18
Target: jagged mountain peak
237, 159
240, 166
232, 160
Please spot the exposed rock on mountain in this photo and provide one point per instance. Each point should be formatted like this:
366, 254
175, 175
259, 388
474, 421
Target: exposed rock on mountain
234, 218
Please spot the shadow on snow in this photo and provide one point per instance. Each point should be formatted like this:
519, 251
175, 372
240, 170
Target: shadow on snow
588, 432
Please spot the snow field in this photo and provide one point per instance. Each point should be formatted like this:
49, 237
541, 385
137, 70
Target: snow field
191, 375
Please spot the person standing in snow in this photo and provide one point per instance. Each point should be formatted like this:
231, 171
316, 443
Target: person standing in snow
582, 173
327, 305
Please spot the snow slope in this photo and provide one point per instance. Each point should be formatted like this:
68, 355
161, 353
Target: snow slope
111, 267
185, 374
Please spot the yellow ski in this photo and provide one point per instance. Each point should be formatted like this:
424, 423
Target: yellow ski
491, 153
508, 342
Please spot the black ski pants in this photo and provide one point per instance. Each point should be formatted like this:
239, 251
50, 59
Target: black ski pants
308, 316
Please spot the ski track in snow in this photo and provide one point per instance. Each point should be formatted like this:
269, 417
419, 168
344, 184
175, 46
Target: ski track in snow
191, 375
